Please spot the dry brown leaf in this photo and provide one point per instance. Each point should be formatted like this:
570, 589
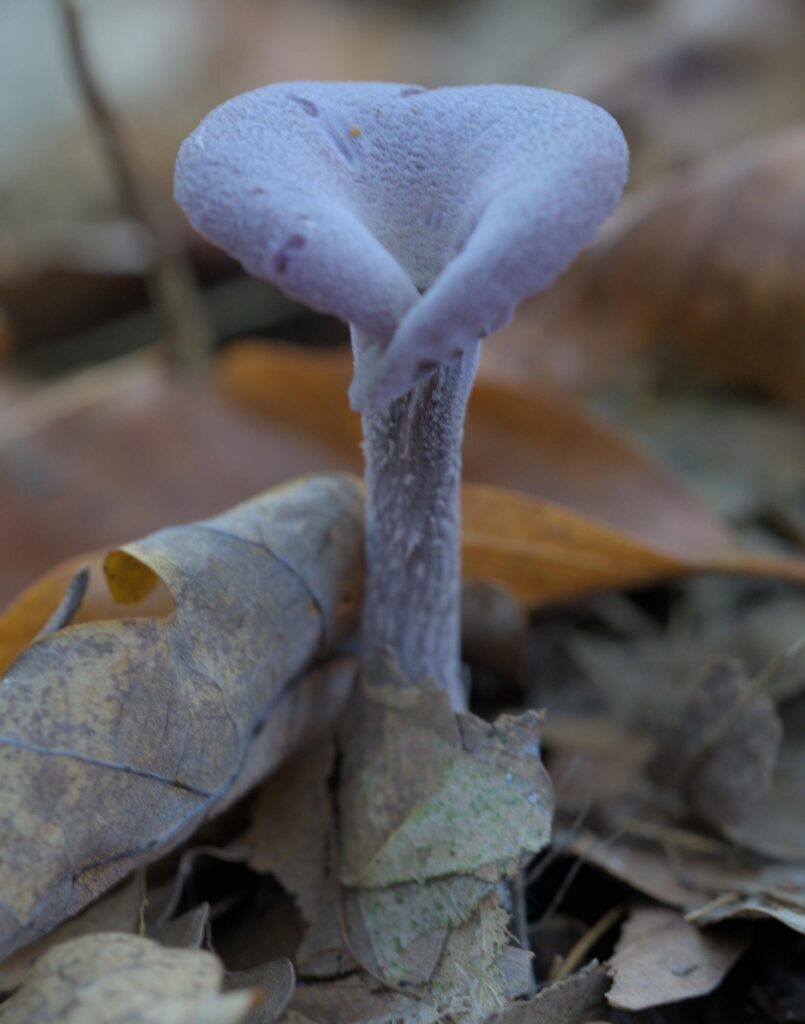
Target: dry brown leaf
117, 452
542, 444
24, 618
648, 869
188, 931
351, 1000
274, 981
116, 911
758, 907
543, 553
151, 725
723, 749
661, 958
686, 80
578, 999
546, 553
775, 827
434, 809
109, 978
709, 263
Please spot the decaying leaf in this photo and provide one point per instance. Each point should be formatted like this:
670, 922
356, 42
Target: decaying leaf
546, 553
118, 911
661, 958
578, 999
433, 810
542, 444
709, 262
23, 620
118, 738
792, 914
187, 931
402, 880
775, 827
354, 1000
110, 978
723, 749
646, 868
117, 452
275, 982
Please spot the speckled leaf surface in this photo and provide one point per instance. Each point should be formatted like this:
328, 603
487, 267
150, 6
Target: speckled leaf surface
118, 738
434, 809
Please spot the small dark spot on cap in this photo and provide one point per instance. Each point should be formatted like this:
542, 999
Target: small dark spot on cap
291, 245
427, 366
411, 90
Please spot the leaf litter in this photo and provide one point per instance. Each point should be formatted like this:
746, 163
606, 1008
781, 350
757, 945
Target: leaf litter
678, 775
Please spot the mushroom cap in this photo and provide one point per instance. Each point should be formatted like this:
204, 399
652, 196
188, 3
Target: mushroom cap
420, 217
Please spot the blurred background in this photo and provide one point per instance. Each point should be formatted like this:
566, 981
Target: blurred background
130, 381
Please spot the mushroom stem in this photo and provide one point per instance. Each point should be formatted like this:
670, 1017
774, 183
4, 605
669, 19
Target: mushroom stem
412, 600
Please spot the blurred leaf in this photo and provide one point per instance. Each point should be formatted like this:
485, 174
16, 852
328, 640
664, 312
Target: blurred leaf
119, 738
109, 978
119, 451
545, 553
660, 958
275, 981
706, 266
542, 444
723, 748
775, 827
116, 911
689, 80
578, 999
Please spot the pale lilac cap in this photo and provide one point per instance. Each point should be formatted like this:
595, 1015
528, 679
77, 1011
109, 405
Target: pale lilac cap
420, 217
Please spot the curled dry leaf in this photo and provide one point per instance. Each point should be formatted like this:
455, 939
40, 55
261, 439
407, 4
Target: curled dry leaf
24, 619
110, 978
661, 958
710, 262
542, 552
119, 738
734, 907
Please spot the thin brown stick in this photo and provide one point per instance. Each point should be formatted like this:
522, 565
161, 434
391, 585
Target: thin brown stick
188, 334
580, 950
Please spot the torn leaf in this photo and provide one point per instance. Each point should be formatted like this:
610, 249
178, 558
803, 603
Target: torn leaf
119, 738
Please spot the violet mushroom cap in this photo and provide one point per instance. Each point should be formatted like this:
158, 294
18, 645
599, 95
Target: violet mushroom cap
420, 217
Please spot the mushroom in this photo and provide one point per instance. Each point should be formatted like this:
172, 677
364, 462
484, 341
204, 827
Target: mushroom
421, 218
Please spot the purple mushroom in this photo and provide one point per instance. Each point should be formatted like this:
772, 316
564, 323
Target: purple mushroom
421, 218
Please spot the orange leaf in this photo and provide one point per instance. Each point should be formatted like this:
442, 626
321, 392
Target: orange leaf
545, 553
543, 444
